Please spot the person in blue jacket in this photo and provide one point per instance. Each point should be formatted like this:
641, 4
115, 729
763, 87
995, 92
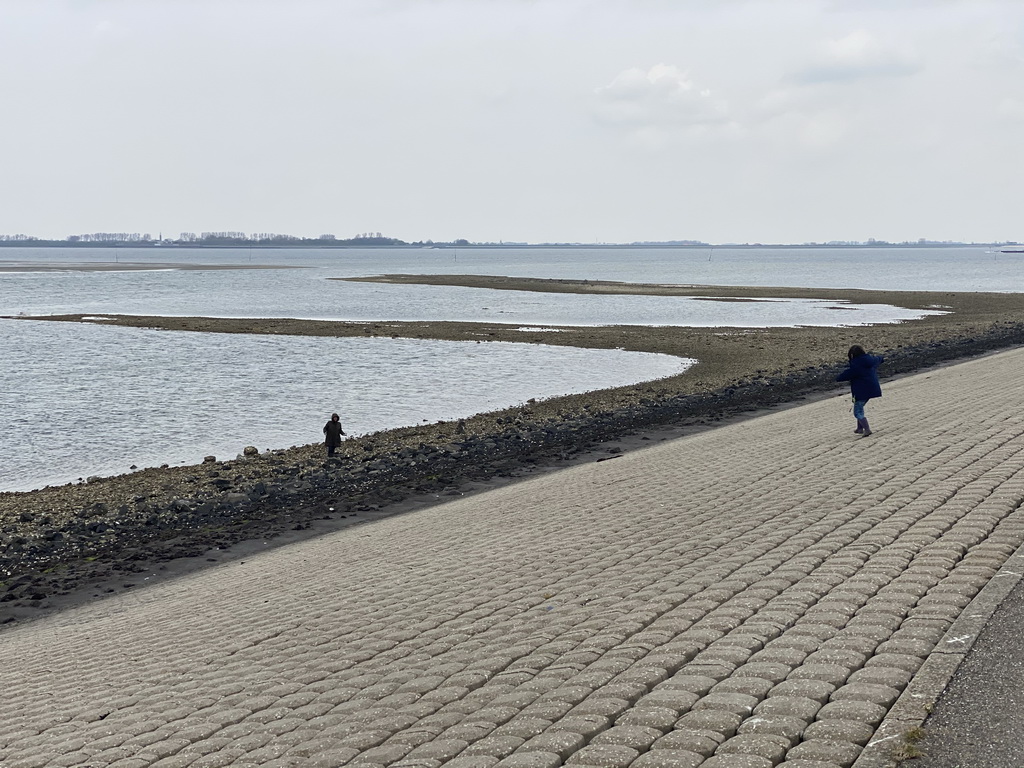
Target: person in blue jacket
862, 373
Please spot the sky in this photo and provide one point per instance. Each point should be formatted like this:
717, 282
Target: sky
772, 121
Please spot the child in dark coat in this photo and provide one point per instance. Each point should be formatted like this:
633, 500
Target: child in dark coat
333, 433
862, 373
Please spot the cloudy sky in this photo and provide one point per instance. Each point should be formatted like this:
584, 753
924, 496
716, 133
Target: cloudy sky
521, 120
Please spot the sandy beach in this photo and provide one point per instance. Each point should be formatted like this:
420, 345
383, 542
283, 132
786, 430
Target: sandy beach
58, 540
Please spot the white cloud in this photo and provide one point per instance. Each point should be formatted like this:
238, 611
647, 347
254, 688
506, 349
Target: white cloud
1011, 108
856, 56
662, 98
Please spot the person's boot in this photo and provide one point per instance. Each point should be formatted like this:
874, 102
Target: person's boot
860, 427
867, 429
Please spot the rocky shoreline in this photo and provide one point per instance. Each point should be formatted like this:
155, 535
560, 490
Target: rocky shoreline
60, 540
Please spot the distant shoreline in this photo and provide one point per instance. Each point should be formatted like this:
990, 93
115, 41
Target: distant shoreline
128, 266
491, 246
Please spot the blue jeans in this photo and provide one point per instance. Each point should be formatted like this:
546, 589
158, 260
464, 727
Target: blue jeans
858, 408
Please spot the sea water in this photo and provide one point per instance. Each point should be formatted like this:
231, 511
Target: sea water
78, 400
102, 399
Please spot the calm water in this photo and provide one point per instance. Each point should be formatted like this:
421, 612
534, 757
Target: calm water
124, 396
79, 400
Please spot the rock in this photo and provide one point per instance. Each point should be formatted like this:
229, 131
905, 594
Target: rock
209, 459
250, 450
94, 510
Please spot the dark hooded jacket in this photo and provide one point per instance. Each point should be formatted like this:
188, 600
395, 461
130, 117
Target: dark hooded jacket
862, 374
333, 431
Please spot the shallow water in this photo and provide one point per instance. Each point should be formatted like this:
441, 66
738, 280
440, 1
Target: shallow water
81, 400
308, 293
129, 396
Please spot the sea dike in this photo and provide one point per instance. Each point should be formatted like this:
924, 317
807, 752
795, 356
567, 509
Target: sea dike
46, 553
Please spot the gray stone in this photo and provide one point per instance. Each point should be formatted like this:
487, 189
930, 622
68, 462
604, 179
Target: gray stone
530, 760
608, 756
761, 745
790, 728
800, 707
841, 753
875, 694
718, 721
637, 737
840, 730
738, 703
668, 758
737, 761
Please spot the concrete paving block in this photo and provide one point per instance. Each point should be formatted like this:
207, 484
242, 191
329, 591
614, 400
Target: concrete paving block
636, 737
834, 674
800, 707
737, 761
789, 728
738, 703
818, 690
862, 711
660, 718
606, 756
547, 710
873, 693
785, 657
906, 662
698, 742
757, 687
892, 677
677, 700
774, 672
386, 753
561, 743
668, 758
587, 725
523, 727
684, 681
711, 720
472, 761
495, 746
438, 749
841, 753
530, 760
767, 746
852, 731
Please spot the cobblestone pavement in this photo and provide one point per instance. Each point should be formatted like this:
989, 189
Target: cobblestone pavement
752, 596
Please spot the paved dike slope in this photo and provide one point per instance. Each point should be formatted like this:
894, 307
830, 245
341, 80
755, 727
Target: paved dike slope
751, 596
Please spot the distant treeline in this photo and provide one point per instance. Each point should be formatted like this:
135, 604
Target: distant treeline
217, 239
371, 239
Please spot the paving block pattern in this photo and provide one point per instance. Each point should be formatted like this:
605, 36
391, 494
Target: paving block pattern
754, 596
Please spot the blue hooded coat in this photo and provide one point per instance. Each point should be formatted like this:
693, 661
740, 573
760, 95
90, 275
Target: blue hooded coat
863, 376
